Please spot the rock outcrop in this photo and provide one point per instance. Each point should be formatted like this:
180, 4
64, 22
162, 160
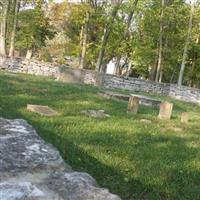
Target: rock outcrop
31, 169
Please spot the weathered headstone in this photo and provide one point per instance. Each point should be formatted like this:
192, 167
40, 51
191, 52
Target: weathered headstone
42, 110
133, 105
95, 113
184, 117
165, 110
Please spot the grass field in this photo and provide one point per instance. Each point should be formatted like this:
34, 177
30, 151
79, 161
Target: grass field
135, 160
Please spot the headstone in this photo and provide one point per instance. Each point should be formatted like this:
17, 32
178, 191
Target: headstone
165, 110
184, 117
133, 105
42, 110
95, 113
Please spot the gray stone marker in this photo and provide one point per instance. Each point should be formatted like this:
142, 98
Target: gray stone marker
133, 105
185, 117
42, 110
165, 110
95, 113
31, 169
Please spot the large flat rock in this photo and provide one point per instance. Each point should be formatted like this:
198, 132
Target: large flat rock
42, 110
31, 169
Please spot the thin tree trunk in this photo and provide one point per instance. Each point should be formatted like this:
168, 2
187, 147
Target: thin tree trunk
160, 51
172, 76
84, 45
12, 39
129, 70
102, 49
4, 29
126, 34
152, 74
81, 43
105, 37
194, 62
192, 70
180, 79
29, 54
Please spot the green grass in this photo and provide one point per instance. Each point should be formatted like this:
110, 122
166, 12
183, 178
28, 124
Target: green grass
160, 160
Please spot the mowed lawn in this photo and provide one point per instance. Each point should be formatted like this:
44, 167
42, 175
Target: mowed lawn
133, 159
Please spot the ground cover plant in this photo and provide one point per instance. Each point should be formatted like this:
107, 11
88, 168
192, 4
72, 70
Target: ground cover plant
134, 159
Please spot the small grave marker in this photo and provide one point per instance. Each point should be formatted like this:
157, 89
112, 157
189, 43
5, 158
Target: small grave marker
185, 117
165, 111
133, 105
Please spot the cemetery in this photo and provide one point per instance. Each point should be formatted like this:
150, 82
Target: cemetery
135, 149
99, 100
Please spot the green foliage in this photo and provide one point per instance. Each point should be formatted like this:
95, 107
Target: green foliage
57, 28
44, 55
33, 29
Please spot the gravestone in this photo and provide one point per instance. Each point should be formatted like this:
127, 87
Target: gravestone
184, 117
95, 113
133, 105
42, 110
165, 111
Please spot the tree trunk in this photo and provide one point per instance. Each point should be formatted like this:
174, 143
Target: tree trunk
4, 29
29, 54
126, 34
160, 51
194, 62
81, 43
105, 37
180, 79
102, 49
12, 39
84, 45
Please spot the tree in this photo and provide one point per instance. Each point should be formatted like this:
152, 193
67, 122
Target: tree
180, 79
84, 42
33, 33
126, 34
3, 31
106, 34
13, 32
160, 51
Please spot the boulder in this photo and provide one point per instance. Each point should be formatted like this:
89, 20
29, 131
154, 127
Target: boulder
32, 169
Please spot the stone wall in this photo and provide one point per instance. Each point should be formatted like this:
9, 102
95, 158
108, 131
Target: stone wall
29, 66
185, 93
135, 84
71, 75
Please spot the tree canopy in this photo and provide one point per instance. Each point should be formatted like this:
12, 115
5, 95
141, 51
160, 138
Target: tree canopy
156, 40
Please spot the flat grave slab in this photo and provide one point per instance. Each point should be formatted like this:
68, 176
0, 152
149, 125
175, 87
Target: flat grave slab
148, 101
143, 100
42, 110
113, 95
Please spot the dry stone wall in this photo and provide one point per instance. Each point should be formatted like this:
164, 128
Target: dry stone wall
135, 84
71, 75
29, 66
